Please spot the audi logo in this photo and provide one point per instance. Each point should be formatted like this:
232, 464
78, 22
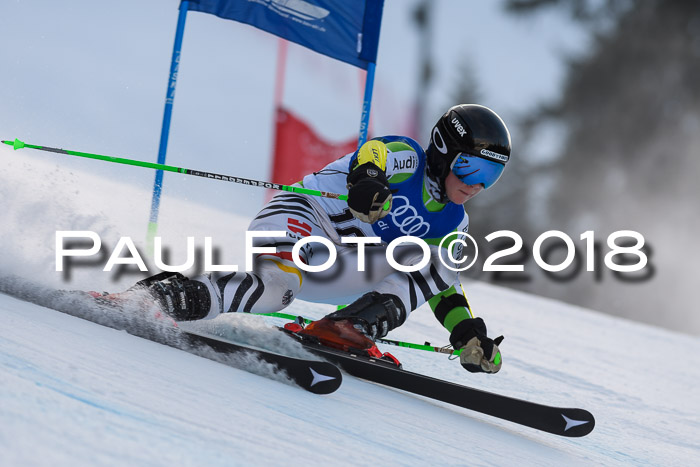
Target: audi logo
412, 223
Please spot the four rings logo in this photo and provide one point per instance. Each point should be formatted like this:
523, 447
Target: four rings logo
411, 223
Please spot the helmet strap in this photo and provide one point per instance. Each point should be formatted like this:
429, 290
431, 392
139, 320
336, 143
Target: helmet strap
436, 170
436, 187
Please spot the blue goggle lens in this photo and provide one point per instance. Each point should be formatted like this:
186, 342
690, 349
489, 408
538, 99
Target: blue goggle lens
473, 170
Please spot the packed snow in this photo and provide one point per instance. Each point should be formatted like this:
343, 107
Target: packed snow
73, 392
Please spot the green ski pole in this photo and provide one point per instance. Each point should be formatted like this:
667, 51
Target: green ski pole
17, 144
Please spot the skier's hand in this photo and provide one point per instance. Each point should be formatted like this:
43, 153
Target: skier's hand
479, 353
369, 196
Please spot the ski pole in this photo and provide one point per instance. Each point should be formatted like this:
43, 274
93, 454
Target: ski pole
410, 345
17, 144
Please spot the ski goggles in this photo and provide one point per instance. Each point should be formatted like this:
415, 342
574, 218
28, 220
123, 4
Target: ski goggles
473, 170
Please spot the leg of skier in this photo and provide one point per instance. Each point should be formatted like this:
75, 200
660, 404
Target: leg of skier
386, 296
272, 285
393, 295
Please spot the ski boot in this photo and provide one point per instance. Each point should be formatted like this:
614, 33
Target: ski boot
165, 295
355, 327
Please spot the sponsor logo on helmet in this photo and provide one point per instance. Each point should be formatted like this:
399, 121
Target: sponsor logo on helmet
372, 172
406, 218
494, 155
438, 141
458, 126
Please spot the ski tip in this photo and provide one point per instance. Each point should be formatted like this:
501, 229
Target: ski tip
325, 378
16, 144
577, 422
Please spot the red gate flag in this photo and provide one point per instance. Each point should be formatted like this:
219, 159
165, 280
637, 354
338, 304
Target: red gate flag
300, 151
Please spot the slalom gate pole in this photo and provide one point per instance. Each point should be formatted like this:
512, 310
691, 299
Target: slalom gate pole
17, 144
366, 105
427, 347
165, 128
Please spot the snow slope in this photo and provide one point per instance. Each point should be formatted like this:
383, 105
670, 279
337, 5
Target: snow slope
76, 393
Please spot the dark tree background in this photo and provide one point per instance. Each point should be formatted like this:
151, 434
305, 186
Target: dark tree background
630, 158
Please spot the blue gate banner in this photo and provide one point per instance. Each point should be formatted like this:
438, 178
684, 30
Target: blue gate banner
347, 30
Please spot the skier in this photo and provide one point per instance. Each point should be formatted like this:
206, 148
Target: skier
394, 188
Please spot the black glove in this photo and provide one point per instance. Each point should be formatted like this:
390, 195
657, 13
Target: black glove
479, 353
369, 196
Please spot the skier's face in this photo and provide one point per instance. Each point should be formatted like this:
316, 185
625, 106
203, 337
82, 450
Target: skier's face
458, 192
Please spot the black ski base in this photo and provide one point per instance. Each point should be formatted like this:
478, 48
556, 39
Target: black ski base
570, 422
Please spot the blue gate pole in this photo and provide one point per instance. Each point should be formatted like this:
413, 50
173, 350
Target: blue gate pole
366, 104
165, 131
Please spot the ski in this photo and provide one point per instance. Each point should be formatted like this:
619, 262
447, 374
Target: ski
318, 377
570, 422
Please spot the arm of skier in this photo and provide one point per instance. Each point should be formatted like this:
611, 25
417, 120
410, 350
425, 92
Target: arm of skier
479, 353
